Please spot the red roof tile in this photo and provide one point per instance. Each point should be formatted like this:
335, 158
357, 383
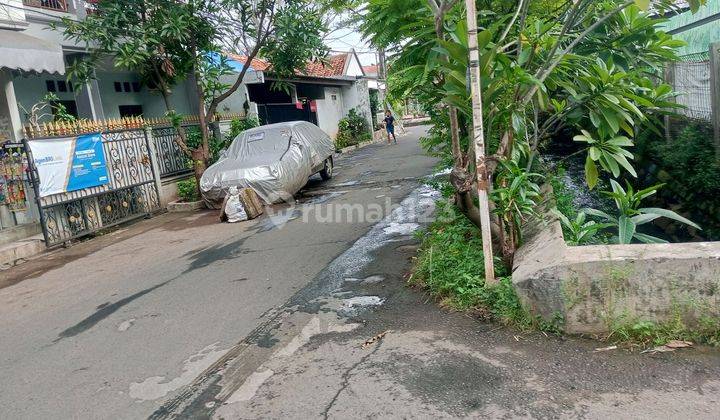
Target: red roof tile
334, 66
371, 70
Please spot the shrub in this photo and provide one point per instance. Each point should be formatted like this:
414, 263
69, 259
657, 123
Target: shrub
450, 266
188, 190
690, 171
352, 130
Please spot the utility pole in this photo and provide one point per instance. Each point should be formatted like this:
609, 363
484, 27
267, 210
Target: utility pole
479, 141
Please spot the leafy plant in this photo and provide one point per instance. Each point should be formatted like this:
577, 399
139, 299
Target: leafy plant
630, 215
516, 196
450, 267
352, 130
688, 168
188, 190
579, 231
39, 111
611, 154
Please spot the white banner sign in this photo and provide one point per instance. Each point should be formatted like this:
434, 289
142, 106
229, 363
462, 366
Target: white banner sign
69, 164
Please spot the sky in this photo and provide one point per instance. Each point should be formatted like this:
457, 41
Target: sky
344, 39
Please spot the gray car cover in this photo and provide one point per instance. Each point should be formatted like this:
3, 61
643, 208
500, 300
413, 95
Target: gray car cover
274, 160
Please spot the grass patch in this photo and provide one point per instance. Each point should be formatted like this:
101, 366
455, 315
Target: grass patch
648, 334
450, 267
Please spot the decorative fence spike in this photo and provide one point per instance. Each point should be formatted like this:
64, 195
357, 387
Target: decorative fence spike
82, 126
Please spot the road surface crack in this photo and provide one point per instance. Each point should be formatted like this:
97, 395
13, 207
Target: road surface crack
346, 380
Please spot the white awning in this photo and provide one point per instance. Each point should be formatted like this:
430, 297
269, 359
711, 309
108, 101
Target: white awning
19, 51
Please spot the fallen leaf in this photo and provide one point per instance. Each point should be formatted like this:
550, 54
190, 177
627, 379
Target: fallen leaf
671, 345
678, 344
606, 348
375, 339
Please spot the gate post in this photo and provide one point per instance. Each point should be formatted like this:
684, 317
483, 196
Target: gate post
715, 93
153, 161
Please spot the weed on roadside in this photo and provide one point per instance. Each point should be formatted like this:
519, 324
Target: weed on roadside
450, 267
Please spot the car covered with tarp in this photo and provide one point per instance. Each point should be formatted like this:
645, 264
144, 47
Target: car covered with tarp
274, 160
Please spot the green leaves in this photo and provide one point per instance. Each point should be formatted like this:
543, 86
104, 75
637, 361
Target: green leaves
626, 229
643, 4
579, 230
591, 171
610, 153
630, 215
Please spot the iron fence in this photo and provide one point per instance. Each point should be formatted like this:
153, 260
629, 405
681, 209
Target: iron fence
170, 157
130, 194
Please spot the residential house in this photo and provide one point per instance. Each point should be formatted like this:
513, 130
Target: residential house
33, 63
323, 93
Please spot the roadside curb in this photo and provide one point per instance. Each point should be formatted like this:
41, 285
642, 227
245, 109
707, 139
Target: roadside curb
17, 252
359, 146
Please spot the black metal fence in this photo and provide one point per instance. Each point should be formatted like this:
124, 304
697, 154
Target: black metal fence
171, 159
132, 191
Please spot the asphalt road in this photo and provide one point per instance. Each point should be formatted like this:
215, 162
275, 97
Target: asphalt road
303, 314
113, 327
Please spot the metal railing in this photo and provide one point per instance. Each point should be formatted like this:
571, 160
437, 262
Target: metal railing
59, 5
130, 194
170, 157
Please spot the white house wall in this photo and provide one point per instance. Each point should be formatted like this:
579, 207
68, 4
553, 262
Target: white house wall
357, 96
354, 69
235, 102
330, 110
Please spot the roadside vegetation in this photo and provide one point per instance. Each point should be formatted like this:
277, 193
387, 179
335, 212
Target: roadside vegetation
449, 266
352, 130
547, 67
551, 71
690, 173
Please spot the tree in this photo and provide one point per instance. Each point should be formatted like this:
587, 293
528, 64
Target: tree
545, 66
168, 41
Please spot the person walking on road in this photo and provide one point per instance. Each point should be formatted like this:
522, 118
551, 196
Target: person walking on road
390, 126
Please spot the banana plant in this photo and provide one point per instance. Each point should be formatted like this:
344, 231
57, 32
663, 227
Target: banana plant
630, 215
580, 230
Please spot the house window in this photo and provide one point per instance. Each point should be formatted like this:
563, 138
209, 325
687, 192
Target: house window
136, 86
130, 110
62, 86
118, 87
70, 86
50, 84
126, 86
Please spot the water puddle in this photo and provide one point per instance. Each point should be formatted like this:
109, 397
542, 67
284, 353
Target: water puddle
363, 301
366, 280
401, 228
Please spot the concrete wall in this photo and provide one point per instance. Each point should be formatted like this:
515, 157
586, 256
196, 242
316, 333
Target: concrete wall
596, 288
31, 88
357, 96
330, 110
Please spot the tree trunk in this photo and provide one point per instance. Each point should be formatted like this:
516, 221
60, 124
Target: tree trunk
479, 142
199, 158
